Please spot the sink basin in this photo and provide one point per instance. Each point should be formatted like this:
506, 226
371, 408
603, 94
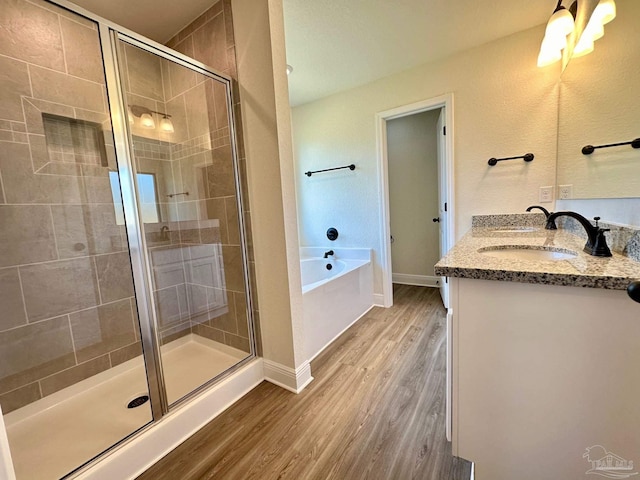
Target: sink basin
531, 253
515, 229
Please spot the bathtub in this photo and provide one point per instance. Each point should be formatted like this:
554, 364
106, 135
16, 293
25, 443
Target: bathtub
333, 299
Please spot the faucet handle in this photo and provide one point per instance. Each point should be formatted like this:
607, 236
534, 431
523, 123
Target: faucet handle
597, 219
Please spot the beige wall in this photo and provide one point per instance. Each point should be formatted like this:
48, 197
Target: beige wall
504, 105
264, 102
412, 145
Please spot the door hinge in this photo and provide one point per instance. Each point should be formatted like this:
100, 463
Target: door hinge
444, 130
445, 206
446, 279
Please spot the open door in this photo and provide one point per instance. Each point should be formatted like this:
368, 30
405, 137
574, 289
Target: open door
442, 201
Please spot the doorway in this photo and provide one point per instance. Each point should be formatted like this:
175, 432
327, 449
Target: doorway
412, 150
442, 108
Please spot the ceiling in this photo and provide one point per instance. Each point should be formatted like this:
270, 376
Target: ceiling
334, 45
158, 20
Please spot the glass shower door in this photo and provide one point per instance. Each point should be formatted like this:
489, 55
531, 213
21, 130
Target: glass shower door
72, 378
181, 134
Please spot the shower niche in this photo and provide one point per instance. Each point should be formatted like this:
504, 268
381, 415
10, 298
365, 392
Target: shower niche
123, 261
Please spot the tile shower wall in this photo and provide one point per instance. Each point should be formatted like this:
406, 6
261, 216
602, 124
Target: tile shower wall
203, 225
210, 40
65, 279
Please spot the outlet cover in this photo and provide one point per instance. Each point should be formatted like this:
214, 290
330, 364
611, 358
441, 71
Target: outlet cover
546, 194
565, 192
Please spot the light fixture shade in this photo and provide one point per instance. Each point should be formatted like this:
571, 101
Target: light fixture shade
166, 125
561, 23
594, 30
554, 43
584, 47
605, 11
147, 121
548, 57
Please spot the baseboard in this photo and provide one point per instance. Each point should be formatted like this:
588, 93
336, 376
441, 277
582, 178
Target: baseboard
286, 377
135, 456
419, 280
378, 300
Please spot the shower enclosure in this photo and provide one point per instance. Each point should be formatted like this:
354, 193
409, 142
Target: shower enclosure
123, 265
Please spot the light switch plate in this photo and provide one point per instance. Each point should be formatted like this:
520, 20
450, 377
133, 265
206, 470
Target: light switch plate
546, 194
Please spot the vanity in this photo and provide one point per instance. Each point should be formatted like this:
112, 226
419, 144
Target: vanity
544, 353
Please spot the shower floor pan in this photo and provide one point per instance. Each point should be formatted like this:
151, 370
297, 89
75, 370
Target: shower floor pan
51, 437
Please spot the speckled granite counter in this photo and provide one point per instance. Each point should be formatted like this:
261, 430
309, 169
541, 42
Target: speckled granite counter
465, 261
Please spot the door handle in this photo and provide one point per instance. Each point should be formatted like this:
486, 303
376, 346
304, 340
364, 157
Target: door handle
634, 291
437, 219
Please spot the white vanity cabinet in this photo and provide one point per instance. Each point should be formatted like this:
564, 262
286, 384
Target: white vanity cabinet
540, 374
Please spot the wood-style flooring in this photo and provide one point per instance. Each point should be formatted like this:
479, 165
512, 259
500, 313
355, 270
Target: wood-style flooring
376, 410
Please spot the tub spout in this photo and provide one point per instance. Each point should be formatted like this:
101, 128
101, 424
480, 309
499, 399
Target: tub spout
326, 254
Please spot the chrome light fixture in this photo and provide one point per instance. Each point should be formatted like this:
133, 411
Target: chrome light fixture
561, 24
146, 118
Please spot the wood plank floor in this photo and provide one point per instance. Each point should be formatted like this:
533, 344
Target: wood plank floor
376, 410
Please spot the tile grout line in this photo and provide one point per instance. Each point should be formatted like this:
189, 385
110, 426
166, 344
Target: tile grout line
64, 48
95, 266
24, 302
73, 344
64, 314
55, 236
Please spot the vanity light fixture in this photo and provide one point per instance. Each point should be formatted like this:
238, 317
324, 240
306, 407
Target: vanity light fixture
604, 12
166, 125
146, 118
561, 24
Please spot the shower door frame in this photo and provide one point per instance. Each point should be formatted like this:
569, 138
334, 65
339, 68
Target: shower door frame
141, 263
110, 34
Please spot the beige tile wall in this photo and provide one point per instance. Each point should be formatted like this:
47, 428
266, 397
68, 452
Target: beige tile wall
195, 158
66, 310
210, 40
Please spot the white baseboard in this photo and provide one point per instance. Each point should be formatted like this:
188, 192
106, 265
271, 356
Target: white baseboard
136, 456
378, 300
286, 377
419, 280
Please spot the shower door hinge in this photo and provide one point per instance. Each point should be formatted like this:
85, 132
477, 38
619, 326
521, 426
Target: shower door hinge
445, 206
444, 130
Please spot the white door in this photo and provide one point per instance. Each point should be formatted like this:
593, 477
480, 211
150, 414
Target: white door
442, 201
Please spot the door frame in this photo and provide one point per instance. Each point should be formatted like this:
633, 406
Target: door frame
443, 101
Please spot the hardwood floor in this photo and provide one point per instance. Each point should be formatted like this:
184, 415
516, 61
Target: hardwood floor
374, 411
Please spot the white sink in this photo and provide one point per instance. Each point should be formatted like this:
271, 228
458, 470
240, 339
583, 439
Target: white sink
531, 253
515, 229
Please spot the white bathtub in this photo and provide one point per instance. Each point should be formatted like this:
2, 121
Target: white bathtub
334, 299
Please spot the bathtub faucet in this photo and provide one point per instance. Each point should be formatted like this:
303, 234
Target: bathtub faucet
326, 254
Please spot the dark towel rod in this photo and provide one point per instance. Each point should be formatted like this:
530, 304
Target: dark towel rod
350, 167
527, 157
588, 149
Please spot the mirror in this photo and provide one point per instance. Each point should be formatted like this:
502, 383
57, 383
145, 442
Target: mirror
599, 104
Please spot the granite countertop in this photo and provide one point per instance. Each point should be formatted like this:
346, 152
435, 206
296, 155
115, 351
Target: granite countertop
464, 260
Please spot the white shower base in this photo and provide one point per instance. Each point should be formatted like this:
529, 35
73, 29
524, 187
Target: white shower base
52, 436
